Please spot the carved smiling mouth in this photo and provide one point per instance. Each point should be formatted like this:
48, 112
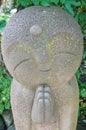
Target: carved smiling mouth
45, 70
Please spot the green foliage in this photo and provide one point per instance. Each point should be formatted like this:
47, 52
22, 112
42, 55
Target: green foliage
82, 21
82, 93
24, 3
5, 82
82, 111
45, 2
69, 5
3, 20
4, 17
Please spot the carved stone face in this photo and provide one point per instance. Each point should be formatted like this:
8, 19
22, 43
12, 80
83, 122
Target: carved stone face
42, 45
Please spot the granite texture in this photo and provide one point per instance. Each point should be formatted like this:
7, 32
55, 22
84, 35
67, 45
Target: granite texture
42, 46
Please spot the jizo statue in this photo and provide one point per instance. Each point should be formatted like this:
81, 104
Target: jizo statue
42, 49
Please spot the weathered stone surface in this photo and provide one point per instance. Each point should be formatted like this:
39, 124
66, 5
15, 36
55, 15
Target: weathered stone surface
43, 45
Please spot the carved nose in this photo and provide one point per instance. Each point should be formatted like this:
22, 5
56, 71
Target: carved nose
43, 58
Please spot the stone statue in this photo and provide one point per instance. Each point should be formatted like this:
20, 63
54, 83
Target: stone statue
42, 49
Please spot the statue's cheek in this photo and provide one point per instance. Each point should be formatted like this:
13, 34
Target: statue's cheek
66, 64
16, 55
25, 71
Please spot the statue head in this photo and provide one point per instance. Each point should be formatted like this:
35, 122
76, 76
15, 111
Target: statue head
42, 45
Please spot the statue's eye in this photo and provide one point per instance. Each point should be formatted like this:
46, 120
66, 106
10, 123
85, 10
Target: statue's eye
66, 53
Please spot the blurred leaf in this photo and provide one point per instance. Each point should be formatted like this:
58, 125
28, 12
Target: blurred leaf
84, 121
5, 83
83, 4
78, 73
19, 2
68, 4
1, 108
69, 8
54, 1
45, 2
36, 2
76, 4
79, 112
2, 23
62, 1
7, 105
25, 3
83, 92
